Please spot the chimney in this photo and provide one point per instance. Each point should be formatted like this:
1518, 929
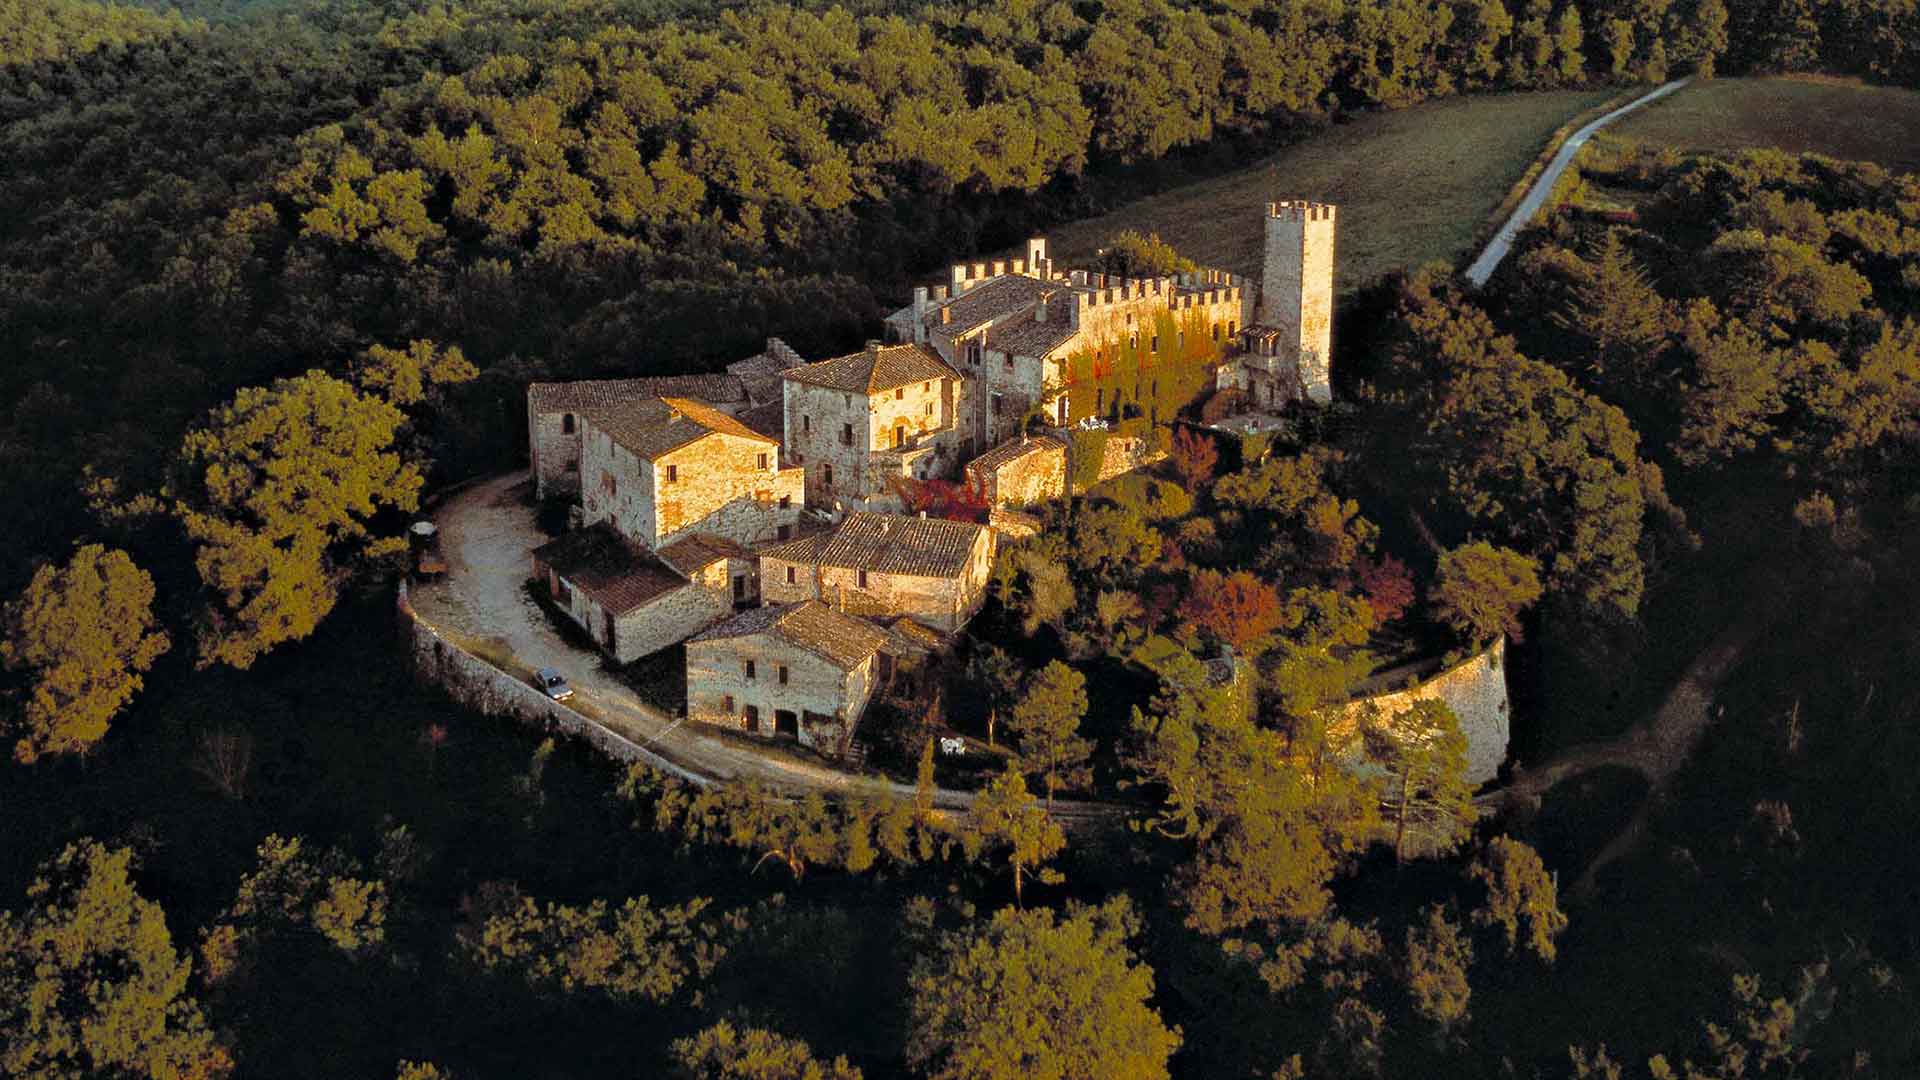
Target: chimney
1040, 307
919, 301
923, 515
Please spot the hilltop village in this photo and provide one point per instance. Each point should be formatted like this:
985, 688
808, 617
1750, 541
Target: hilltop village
758, 514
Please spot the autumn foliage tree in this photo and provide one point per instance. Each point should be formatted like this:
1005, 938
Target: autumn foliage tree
1193, 456
726, 1052
82, 634
1236, 609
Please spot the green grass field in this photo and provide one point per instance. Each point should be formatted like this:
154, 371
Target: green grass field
1800, 115
1413, 185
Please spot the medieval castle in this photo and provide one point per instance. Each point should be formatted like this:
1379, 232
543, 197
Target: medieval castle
756, 513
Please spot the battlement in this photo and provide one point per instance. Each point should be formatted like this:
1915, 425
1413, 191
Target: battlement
1301, 210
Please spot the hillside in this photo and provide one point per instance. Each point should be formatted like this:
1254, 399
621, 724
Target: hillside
1843, 119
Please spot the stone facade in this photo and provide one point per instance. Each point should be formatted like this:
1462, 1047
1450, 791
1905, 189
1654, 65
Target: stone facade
885, 564
728, 483
1475, 689
857, 422
555, 412
1021, 472
1288, 353
793, 671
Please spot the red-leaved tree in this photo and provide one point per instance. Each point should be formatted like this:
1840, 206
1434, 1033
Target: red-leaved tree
1388, 586
1237, 609
1193, 457
942, 498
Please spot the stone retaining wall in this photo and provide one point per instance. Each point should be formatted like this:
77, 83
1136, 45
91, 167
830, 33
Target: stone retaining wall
1476, 690
479, 685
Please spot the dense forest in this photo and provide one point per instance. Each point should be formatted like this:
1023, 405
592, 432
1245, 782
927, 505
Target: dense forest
273, 271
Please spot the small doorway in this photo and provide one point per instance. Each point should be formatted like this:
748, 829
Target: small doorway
739, 588
899, 435
751, 715
786, 722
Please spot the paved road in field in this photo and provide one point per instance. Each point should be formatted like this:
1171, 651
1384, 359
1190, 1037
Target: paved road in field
1489, 260
488, 534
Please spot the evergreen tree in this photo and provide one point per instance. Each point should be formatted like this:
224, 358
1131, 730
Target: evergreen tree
1423, 753
1032, 996
1006, 820
83, 633
1047, 720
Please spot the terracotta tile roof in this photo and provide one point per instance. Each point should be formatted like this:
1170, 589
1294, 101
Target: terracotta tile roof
614, 572
1014, 449
584, 394
842, 640
699, 551
769, 419
658, 425
801, 549
912, 639
898, 544
875, 370
1020, 335
990, 300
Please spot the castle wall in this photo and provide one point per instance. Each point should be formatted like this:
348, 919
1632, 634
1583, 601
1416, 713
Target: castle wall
1475, 689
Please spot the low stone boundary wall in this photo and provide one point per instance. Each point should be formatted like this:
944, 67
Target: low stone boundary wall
1476, 690
483, 687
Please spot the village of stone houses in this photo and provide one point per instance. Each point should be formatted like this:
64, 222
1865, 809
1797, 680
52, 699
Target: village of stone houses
802, 544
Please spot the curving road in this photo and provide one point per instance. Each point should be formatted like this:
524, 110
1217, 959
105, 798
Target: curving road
1484, 266
488, 533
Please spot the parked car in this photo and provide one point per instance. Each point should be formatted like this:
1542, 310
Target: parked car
552, 683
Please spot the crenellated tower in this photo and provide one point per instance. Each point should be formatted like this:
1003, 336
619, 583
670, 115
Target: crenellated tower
1296, 289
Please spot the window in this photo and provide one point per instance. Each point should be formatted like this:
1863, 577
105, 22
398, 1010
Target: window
1231, 327
786, 502
1009, 362
1153, 343
846, 434
726, 704
566, 424
863, 579
926, 387
783, 532
749, 669
826, 475
763, 461
673, 474
1216, 331
783, 674
1133, 341
929, 409
793, 574
608, 484
973, 353
899, 393
806, 424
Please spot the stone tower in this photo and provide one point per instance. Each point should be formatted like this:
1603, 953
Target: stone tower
1296, 289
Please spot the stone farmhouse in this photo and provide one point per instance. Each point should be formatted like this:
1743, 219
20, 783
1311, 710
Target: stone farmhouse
800, 671
859, 421
931, 570
748, 390
770, 483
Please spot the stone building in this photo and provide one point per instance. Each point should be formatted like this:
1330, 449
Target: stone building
666, 466
1022, 471
858, 421
886, 564
1014, 329
799, 671
749, 390
631, 601
1287, 351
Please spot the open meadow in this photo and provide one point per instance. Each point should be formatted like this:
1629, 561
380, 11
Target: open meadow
1413, 185
1840, 118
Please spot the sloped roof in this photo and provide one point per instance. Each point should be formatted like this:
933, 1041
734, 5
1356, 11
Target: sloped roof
991, 300
841, 639
899, 544
1021, 335
658, 425
875, 369
583, 394
1014, 449
614, 572
697, 551
801, 549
